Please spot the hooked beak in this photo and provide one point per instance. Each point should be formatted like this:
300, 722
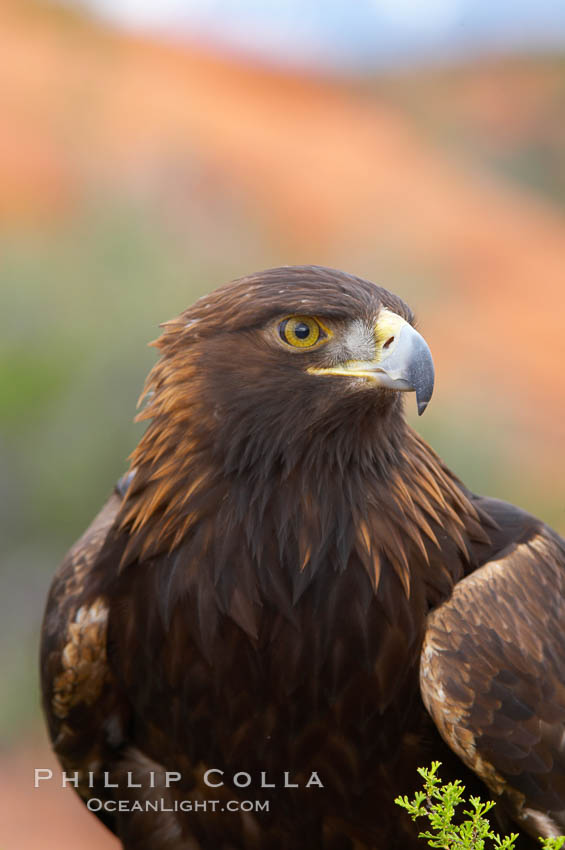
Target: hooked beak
403, 360
409, 367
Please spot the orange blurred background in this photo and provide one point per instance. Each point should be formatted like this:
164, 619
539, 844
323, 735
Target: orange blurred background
137, 173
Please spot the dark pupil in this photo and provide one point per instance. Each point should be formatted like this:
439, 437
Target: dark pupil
302, 331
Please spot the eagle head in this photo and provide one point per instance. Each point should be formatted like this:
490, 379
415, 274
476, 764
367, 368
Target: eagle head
287, 374
294, 348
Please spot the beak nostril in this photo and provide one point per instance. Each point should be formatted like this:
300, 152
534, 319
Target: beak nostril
389, 341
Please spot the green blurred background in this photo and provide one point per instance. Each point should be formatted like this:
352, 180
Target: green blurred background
137, 174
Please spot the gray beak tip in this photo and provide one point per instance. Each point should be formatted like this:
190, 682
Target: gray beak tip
418, 366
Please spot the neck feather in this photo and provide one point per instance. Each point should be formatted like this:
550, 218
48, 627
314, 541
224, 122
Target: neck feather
381, 497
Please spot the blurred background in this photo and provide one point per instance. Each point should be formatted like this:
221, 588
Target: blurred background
152, 151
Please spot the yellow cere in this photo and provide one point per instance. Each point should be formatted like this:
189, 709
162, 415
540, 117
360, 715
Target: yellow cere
387, 329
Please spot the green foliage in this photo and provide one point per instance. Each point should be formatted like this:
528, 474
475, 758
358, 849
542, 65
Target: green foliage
438, 803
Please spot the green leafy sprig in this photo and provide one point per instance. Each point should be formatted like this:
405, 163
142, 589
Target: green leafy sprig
438, 803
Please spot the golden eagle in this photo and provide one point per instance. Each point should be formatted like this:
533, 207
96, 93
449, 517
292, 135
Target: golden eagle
289, 603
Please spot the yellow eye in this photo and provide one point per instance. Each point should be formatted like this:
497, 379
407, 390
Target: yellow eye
300, 331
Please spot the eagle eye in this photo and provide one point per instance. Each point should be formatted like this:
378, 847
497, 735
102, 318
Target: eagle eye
301, 331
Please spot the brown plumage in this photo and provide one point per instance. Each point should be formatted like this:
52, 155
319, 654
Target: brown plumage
255, 596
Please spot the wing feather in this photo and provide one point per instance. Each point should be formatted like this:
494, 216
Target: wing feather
493, 671
76, 680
